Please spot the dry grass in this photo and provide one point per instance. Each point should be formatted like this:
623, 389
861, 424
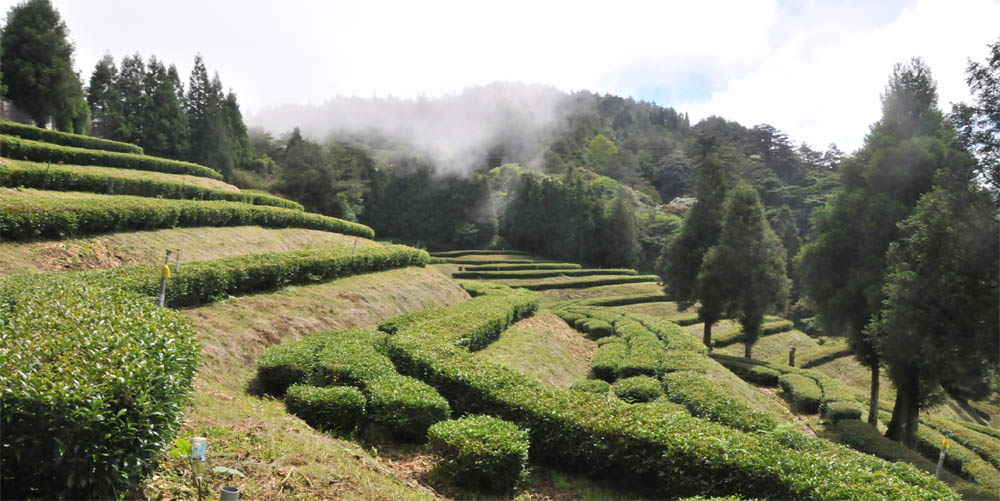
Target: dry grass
544, 347
129, 173
146, 247
601, 291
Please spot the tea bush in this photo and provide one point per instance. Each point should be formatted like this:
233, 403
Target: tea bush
705, 399
637, 389
26, 149
596, 386
405, 406
803, 391
64, 138
530, 274
523, 266
586, 282
332, 408
480, 452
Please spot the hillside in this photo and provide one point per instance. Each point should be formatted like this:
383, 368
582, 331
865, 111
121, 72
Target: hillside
609, 378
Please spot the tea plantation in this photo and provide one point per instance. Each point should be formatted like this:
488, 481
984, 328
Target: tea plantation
351, 368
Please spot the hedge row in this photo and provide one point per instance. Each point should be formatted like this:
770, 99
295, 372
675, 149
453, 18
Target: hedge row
24, 218
403, 406
733, 335
583, 283
703, 398
822, 355
803, 391
95, 380
480, 452
985, 446
26, 149
516, 267
66, 139
625, 300
75, 178
202, 282
638, 389
671, 453
531, 274
477, 252
596, 386
451, 260
962, 461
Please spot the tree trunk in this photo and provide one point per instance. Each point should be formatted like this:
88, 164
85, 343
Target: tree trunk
746, 351
913, 413
873, 404
706, 335
900, 411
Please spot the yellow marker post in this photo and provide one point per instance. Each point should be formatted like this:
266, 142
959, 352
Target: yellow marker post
165, 271
164, 275
944, 452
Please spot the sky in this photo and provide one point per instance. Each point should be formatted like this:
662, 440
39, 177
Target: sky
812, 69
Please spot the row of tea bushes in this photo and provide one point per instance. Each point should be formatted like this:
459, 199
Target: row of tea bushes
477, 252
24, 217
671, 453
116, 182
480, 452
528, 266
624, 300
94, 381
26, 149
733, 335
202, 282
586, 282
530, 274
66, 139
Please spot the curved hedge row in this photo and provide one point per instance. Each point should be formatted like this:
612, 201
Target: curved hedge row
64, 138
529, 266
477, 252
75, 178
672, 454
480, 452
23, 218
529, 274
26, 149
94, 380
202, 282
587, 282
624, 300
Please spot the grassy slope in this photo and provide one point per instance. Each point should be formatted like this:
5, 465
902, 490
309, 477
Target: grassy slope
130, 173
282, 456
146, 247
543, 346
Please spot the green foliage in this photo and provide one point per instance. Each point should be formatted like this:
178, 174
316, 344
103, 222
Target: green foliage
601, 156
842, 410
95, 381
587, 282
750, 370
37, 60
481, 452
638, 389
805, 394
332, 408
596, 386
529, 274
684, 360
480, 252
325, 180
702, 398
986, 446
65, 139
606, 360
405, 406
519, 267
979, 124
51, 217
962, 461
670, 452
25, 149
94, 180
624, 300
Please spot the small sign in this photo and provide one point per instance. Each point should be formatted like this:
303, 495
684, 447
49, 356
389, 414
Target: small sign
199, 447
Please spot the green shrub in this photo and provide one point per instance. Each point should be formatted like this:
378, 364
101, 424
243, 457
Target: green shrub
804, 392
638, 389
598, 328
24, 218
839, 410
481, 452
333, 408
612, 340
670, 332
523, 266
350, 358
962, 461
66, 139
986, 446
587, 282
625, 300
705, 399
478, 252
604, 365
678, 360
645, 356
108, 181
283, 365
24, 149
405, 406
670, 453
822, 355
597, 386
531, 274
202, 282
94, 382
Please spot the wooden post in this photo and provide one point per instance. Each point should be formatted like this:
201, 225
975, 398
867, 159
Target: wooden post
791, 357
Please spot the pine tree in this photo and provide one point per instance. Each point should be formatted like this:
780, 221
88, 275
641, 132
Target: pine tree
745, 274
102, 97
164, 124
844, 267
621, 235
37, 60
130, 89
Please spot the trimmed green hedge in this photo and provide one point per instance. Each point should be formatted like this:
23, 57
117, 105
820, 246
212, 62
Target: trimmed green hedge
683, 360
528, 266
841, 410
333, 408
531, 274
583, 283
202, 282
94, 383
667, 452
75, 178
987, 447
625, 300
962, 461
477, 252
596, 386
822, 355
752, 371
703, 398
66, 139
405, 406
23, 218
481, 452
638, 389
803, 391
25, 149
606, 359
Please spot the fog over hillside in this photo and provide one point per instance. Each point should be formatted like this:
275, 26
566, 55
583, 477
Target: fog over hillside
455, 129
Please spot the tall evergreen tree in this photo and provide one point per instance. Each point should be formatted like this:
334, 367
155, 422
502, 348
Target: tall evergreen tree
843, 268
130, 89
102, 97
37, 59
979, 123
164, 125
621, 234
682, 257
241, 150
940, 322
745, 274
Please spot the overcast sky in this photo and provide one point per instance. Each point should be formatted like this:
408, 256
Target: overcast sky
813, 69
